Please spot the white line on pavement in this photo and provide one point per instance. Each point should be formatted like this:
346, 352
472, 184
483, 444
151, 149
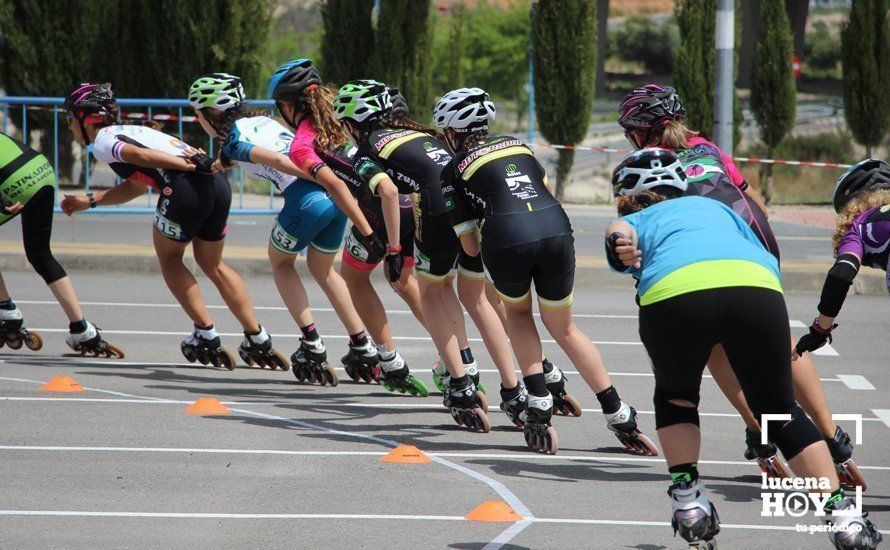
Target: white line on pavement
855, 382
883, 415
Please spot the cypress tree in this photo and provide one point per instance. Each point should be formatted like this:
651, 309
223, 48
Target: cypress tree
457, 44
866, 54
403, 52
564, 53
348, 40
773, 92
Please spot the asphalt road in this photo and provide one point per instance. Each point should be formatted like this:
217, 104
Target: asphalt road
122, 464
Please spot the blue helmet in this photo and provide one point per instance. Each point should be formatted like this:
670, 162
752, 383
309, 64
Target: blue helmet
293, 78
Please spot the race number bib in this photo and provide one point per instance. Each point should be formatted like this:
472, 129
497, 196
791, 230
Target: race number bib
168, 228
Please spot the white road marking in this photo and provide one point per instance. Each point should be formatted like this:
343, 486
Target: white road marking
827, 350
883, 415
855, 382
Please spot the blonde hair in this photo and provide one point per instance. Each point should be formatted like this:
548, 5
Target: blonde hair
675, 135
857, 206
329, 132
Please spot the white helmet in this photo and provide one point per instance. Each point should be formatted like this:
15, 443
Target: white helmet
464, 110
648, 168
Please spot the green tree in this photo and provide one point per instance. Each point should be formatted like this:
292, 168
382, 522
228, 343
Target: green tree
773, 92
403, 50
866, 64
564, 34
348, 40
455, 49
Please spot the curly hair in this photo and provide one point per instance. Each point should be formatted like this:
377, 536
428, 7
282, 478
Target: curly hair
630, 204
858, 205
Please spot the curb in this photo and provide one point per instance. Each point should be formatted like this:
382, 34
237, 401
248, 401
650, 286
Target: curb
589, 271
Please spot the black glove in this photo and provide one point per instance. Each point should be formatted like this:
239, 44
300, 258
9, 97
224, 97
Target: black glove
372, 243
203, 163
815, 339
395, 262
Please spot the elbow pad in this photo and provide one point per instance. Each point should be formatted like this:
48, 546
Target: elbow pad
837, 284
612, 256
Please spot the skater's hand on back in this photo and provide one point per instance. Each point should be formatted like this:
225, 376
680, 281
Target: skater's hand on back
74, 203
394, 264
10, 208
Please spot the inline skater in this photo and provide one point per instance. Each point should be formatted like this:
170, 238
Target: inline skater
704, 279
652, 116
397, 155
495, 189
310, 216
862, 237
193, 207
27, 188
319, 148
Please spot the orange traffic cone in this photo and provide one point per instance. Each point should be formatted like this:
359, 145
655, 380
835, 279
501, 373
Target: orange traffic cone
64, 384
493, 511
406, 454
207, 406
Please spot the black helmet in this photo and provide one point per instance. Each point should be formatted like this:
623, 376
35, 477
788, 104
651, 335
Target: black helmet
399, 103
651, 106
647, 169
293, 78
92, 98
866, 175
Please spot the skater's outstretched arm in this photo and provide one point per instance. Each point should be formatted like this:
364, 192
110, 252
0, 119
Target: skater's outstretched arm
149, 158
272, 159
119, 194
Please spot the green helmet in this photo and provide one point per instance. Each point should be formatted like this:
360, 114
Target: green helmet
362, 100
218, 91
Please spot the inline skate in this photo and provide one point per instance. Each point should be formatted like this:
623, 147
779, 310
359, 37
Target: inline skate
13, 334
766, 455
310, 363
440, 375
395, 376
623, 423
855, 532
539, 434
90, 341
841, 448
204, 346
514, 403
694, 516
361, 363
466, 405
256, 349
563, 403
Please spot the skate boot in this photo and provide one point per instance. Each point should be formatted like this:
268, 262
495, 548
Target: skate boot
514, 403
563, 403
766, 455
204, 346
310, 363
539, 434
854, 530
361, 363
90, 341
256, 349
623, 423
473, 372
694, 518
841, 453
13, 334
466, 405
440, 375
395, 376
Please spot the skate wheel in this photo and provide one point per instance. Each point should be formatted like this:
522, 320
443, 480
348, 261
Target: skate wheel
15, 343
245, 357
645, 446
570, 406
367, 377
551, 442
226, 359
483, 401
418, 387
849, 475
481, 420
33, 341
280, 360
115, 351
2, 341
330, 374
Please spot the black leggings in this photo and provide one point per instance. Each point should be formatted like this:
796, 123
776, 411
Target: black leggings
37, 228
752, 325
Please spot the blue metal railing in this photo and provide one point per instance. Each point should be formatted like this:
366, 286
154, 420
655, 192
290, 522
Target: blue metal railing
173, 106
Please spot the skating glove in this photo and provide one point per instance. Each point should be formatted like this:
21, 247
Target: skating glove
373, 244
815, 339
203, 163
5, 204
395, 262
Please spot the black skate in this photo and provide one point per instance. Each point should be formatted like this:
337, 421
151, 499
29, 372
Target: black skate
695, 518
256, 349
841, 448
514, 403
766, 455
361, 363
310, 364
467, 406
395, 376
854, 532
91, 341
539, 434
205, 347
623, 423
13, 334
563, 403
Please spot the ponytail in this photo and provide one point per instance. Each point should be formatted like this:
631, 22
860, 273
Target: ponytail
675, 135
329, 132
405, 123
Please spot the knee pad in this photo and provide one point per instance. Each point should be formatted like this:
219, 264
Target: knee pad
45, 264
793, 436
668, 414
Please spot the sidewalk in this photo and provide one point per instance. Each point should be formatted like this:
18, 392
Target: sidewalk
816, 216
